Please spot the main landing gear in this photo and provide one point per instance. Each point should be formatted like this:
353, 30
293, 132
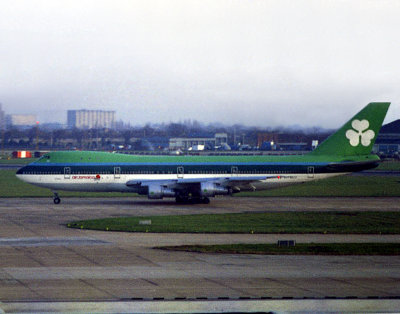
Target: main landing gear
56, 198
192, 200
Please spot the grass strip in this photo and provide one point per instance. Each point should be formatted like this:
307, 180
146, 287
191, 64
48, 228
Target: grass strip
272, 222
298, 249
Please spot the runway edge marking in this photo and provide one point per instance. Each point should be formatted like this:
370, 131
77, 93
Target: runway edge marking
244, 306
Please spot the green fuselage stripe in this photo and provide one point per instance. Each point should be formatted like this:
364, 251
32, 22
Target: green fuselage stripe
108, 163
187, 169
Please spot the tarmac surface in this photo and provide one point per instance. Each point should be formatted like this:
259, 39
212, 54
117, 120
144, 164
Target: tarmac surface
43, 260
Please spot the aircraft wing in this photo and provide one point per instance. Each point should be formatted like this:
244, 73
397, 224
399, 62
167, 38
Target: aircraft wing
187, 183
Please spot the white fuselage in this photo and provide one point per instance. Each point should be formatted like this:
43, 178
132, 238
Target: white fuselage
117, 183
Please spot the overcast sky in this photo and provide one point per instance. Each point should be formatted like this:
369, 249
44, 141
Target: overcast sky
261, 63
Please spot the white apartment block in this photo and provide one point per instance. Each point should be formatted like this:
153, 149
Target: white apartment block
91, 119
22, 120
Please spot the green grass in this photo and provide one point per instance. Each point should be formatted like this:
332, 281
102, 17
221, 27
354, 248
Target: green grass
299, 249
272, 222
370, 186
337, 186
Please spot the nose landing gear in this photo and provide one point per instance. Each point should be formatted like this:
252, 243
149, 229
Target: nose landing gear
56, 198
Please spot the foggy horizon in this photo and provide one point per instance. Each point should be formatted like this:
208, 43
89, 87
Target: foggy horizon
289, 127
256, 63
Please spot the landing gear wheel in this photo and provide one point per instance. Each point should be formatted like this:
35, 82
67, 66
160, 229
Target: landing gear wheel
205, 200
56, 198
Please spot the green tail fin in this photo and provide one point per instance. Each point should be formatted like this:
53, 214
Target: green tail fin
358, 135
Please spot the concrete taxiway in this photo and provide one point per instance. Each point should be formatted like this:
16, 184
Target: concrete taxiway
42, 260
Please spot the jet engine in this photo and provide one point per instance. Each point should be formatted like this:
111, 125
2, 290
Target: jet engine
212, 189
157, 191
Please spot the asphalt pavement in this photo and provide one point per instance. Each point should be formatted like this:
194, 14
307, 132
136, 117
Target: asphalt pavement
41, 260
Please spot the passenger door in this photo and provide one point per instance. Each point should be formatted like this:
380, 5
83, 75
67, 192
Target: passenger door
180, 172
117, 172
234, 171
67, 172
310, 172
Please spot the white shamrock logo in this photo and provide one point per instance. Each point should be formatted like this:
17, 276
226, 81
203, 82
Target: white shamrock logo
355, 136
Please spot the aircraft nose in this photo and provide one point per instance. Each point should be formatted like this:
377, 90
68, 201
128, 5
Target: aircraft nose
20, 173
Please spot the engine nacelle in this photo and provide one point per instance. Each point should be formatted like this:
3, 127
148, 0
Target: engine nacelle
156, 191
212, 189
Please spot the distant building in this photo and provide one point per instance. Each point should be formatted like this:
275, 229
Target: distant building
209, 142
267, 141
21, 120
52, 126
91, 119
293, 146
221, 139
388, 140
269, 138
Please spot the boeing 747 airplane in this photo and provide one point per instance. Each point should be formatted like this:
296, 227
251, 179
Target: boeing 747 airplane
196, 178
